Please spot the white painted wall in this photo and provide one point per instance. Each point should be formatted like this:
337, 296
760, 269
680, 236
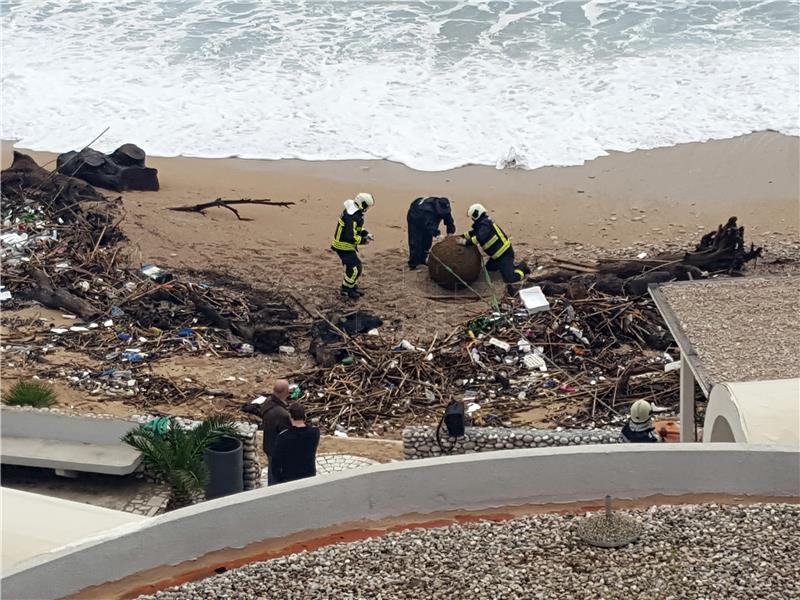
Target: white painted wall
474, 481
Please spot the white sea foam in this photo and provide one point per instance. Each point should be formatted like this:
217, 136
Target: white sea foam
433, 87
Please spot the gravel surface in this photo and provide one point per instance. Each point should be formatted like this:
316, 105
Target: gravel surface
685, 552
742, 329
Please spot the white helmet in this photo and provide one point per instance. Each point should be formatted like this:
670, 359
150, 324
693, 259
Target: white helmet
476, 211
640, 411
364, 200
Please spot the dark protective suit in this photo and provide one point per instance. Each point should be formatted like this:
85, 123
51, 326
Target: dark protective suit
639, 433
424, 216
495, 243
349, 235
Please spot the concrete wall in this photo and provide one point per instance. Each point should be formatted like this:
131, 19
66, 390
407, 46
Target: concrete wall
420, 442
475, 481
70, 426
51, 425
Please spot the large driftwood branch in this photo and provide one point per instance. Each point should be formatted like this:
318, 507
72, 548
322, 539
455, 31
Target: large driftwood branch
201, 208
50, 296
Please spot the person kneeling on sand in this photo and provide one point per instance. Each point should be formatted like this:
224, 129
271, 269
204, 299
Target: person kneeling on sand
350, 234
295, 454
639, 428
495, 243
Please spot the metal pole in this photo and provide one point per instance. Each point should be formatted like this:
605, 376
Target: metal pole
687, 401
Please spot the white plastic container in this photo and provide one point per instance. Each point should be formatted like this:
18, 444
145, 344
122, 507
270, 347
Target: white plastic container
533, 300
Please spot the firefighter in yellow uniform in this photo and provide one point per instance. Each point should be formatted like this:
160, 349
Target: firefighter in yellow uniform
350, 234
487, 235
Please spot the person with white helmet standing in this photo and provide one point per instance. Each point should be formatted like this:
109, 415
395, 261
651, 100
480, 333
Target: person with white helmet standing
350, 234
495, 243
639, 428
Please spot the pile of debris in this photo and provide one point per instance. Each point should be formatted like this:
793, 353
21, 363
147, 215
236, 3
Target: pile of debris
599, 353
61, 247
722, 251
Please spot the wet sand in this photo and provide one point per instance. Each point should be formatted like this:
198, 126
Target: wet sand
614, 200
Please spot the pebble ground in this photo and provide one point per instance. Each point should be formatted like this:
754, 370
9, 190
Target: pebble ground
692, 552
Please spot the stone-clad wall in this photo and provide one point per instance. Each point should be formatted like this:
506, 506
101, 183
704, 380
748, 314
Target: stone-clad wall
420, 442
247, 432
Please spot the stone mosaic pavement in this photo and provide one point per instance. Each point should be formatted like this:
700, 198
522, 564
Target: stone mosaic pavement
333, 463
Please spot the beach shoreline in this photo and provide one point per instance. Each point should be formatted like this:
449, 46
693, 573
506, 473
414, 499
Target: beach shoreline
611, 200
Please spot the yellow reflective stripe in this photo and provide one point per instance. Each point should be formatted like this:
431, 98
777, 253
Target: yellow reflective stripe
351, 281
336, 244
472, 238
502, 250
356, 235
506, 242
488, 244
520, 273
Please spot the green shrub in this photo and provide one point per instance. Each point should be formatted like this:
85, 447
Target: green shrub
30, 393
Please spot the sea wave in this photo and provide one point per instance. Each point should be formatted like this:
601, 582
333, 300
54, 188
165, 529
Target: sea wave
431, 85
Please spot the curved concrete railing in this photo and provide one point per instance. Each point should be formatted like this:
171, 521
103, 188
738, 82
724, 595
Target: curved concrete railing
470, 482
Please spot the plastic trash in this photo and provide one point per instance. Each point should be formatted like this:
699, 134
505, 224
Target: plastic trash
347, 360
155, 273
245, 349
185, 332
550, 383
116, 311
286, 349
534, 361
524, 346
373, 332
294, 391
533, 299
132, 357
504, 346
403, 345
673, 366
565, 387
472, 407
84, 285
108, 323
122, 336
78, 328
5, 295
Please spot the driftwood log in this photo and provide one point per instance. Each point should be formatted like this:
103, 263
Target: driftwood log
123, 169
720, 251
60, 189
201, 208
43, 291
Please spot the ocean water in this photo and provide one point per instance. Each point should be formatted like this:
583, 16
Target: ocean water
434, 85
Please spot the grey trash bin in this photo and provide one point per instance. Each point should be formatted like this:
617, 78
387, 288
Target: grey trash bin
224, 461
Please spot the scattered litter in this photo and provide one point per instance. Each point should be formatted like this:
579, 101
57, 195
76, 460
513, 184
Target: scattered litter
286, 349
534, 300
504, 346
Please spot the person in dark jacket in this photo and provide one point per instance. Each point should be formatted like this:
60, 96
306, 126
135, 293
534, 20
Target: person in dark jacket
274, 420
296, 448
424, 217
349, 235
486, 234
639, 428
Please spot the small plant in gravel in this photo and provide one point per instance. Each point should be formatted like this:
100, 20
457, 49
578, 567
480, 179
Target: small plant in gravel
30, 393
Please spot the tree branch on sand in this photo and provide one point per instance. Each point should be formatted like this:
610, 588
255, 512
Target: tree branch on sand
201, 208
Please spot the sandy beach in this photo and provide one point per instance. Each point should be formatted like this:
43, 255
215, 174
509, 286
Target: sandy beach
648, 196
619, 204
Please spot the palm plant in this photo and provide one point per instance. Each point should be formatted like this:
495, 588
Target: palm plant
175, 456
